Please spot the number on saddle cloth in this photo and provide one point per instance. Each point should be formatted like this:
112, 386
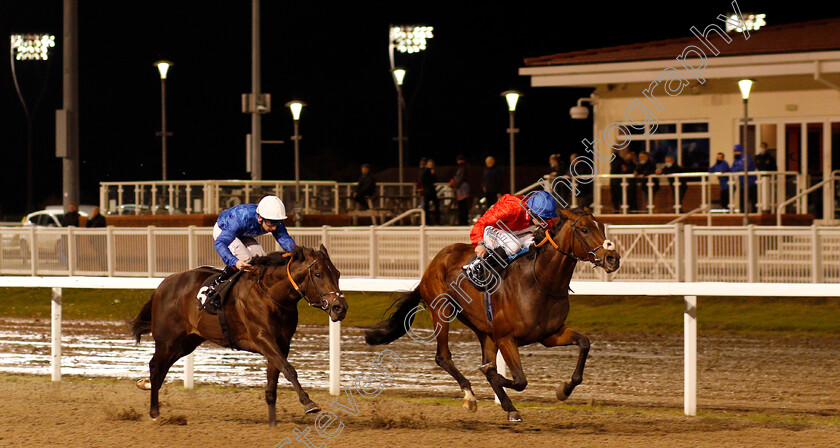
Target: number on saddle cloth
213, 289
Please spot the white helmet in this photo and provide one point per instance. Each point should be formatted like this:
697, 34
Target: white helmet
271, 207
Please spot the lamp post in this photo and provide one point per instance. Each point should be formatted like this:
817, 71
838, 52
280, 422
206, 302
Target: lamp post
29, 47
296, 107
745, 85
163, 68
404, 39
399, 76
512, 97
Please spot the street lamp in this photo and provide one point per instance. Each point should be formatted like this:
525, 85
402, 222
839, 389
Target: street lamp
512, 97
745, 85
163, 67
296, 107
404, 39
399, 76
29, 47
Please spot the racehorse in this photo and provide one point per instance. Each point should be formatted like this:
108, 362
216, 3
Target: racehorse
530, 304
260, 313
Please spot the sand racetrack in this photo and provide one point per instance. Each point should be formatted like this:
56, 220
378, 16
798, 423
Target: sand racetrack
753, 391
99, 413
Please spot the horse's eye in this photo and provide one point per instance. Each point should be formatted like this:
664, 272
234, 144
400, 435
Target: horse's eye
318, 274
584, 230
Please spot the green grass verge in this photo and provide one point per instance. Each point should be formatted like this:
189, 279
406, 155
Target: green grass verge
656, 315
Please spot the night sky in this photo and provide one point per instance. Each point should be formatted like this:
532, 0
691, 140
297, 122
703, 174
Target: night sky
333, 58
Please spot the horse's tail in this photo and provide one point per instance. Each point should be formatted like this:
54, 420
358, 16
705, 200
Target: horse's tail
142, 324
396, 325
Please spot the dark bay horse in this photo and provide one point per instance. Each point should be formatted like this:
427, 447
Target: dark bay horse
530, 304
260, 311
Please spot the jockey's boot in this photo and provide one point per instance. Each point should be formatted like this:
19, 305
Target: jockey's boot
207, 294
477, 270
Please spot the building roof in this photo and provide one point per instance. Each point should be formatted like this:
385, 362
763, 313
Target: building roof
815, 35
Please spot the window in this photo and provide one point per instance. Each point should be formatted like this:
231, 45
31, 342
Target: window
687, 142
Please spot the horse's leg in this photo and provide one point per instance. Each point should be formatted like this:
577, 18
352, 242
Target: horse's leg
567, 336
273, 352
497, 381
443, 358
166, 354
271, 393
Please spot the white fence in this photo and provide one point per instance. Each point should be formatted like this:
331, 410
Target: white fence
649, 253
213, 196
689, 291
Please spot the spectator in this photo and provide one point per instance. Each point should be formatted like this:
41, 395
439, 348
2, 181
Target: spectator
584, 185
645, 168
365, 189
738, 167
671, 167
462, 190
721, 166
95, 219
763, 160
430, 193
419, 185
632, 188
554, 164
71, 218
492, 184
617, 166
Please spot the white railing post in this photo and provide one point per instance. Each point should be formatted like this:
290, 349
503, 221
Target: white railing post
110, 250
690, 352
150, 250
501, 368
676, 191
596, 194
335, 357
422, 251
689, 254
679, 251
816, 255
752, 255
55, 323
624, 205
192, 248
71, 251
33, 252
103, 199
189, 367
650, 199
325, 236
373, 254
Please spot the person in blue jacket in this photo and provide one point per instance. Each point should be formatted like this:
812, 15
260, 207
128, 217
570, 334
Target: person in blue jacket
235, 235
721, 166
738, 167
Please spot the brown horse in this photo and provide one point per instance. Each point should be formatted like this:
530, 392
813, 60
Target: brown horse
530, 304
260, 311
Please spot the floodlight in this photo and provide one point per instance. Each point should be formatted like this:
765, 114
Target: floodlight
32, 47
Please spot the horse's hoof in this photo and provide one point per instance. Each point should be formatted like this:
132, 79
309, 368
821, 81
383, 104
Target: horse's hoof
470, 405
144, 384
514, 416
561, 394
154, 414
312, 408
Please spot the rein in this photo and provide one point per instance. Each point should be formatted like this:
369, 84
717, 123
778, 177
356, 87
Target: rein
592, 256
324, 303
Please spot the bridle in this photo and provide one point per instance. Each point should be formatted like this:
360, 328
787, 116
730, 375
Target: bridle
591, 253
324, 303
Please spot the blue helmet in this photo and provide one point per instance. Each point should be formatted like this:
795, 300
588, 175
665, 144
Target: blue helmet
542, 204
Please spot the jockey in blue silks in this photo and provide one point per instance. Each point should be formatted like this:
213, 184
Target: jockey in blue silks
235, 235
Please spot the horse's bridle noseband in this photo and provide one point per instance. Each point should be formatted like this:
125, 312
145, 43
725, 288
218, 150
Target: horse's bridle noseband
591, 253
324, 303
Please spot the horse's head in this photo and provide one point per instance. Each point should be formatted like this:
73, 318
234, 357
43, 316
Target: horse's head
320, 288
581, 236
312, 275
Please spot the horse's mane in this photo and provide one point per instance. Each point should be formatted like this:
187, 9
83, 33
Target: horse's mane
278, 258
272, 259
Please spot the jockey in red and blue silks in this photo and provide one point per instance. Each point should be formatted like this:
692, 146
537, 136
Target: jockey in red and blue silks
508, 226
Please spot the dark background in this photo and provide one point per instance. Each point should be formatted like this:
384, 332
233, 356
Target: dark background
335, 59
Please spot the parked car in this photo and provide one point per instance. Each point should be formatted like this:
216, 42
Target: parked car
49, 245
